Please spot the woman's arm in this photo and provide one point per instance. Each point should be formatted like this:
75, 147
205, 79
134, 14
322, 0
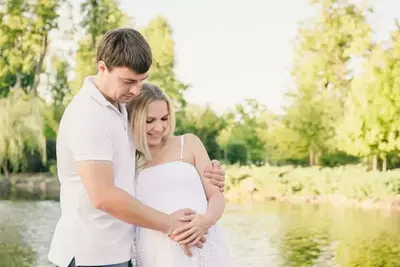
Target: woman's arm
190, 233
216, 200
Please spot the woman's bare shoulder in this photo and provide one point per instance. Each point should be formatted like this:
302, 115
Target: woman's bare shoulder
191, 138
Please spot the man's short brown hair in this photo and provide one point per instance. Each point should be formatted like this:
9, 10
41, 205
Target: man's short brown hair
125, 47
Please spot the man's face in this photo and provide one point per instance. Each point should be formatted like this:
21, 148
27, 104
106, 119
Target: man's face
122, 84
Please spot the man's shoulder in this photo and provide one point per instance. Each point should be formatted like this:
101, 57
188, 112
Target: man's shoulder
82, 114
82, 106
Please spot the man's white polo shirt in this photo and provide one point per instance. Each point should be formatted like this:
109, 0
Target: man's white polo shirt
92, 129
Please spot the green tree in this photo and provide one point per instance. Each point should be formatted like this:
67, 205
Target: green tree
98, 17
371, 126
21, 127
60, 91
237, 152
324, 49
282, 144
203, 122
246, 126
311, 122
24, 31
159, 35
224, 138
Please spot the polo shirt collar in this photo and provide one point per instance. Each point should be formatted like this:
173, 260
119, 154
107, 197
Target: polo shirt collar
90, 88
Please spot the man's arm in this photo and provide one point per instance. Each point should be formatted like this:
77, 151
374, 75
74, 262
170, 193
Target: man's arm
97, 177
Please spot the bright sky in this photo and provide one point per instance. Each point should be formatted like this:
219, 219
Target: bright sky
230, 50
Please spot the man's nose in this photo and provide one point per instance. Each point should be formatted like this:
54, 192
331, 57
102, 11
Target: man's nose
135, 89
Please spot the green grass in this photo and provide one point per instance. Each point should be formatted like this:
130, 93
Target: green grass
352, 182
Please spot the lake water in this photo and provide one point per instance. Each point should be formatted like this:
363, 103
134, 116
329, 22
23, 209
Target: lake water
273, 234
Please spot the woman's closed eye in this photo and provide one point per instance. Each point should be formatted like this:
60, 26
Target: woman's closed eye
152, 120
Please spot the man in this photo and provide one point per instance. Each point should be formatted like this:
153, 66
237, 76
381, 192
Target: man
96, 163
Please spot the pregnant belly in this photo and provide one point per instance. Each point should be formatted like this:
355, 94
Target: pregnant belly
169, 201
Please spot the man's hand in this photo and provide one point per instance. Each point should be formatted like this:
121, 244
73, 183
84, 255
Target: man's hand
191, 233
216, 174
177, 223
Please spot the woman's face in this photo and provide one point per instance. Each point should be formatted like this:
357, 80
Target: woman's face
157, 122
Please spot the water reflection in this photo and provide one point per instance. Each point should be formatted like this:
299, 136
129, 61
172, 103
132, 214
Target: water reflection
368, 239
25, 231
328, 236
269, 235
14, 251
16, 255
252, 237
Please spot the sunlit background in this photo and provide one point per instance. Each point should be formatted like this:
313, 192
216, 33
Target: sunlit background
299, 99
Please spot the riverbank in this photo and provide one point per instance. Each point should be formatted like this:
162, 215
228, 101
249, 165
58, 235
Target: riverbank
341, 186
390, 203
30, 186
344, 185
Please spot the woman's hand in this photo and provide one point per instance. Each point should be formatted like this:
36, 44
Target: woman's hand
198, 244
191, 233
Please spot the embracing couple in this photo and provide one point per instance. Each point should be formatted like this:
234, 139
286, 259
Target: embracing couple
125, 177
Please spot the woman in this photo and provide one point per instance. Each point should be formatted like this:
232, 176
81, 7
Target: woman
169, 168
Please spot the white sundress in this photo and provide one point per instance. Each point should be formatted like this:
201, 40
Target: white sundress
168, 187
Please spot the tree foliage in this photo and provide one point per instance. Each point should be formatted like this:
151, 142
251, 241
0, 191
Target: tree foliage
162, 73
98, 17
24, 38
21, 128
324, 49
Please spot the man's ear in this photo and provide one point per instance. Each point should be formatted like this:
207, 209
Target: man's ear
101, 67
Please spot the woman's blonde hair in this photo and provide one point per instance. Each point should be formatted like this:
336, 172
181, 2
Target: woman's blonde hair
137, 114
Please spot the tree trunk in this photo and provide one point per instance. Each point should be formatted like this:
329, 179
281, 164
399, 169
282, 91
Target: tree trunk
18, 82
52, 123
317, 159
374, 162
365, 161
311, 156
5, 183
93, 31
38, 68
225, 155
5, 170
384, 163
